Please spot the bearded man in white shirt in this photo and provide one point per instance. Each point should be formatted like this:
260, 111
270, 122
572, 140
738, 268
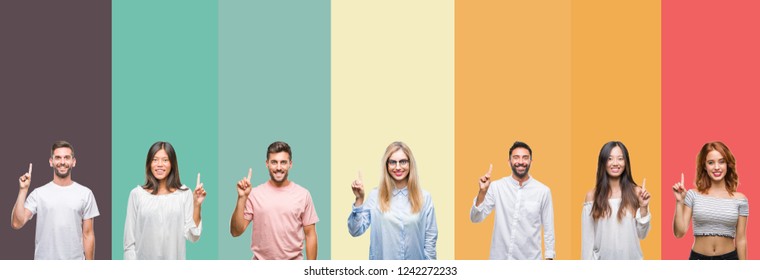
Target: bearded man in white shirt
523, 206
65, 210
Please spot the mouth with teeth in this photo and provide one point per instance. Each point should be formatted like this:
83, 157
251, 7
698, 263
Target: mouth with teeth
278, 175
62, 170
159, 171
717, 173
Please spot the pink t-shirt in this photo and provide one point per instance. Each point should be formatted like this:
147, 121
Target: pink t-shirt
278, 216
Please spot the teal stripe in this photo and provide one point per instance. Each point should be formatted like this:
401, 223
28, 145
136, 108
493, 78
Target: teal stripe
165, 88
274, 84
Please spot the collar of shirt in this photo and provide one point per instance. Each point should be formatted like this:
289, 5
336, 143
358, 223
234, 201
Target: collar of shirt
517, 183
403, 191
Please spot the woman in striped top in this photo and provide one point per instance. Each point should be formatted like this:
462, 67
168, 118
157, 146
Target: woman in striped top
719, 212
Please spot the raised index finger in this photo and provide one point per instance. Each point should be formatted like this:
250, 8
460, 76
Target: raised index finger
681, 178
360, 176
30, 169
250, 172
198, 182
490, 169
644, 184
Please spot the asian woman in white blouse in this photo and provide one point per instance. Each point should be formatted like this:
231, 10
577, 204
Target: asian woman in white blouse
616, 212
164, 212
718, 211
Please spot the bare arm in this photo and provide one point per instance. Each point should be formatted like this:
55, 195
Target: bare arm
682, 214
311, 241
741, 237
88, 237
238, 223
20, 215
681, 219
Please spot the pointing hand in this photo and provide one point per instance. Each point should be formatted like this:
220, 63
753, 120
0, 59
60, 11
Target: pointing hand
25, 180
644, 195
358, 187
679, 191
485, 181
244, 185
199, 194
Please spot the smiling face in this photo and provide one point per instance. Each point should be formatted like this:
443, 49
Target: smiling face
62, 161
519, 161
278, 165
716, 166
615, 163
398, 167
161, 166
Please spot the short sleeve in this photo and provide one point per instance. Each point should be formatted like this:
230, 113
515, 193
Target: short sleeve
309, 216
31, 202
689, 199
90, 207
248, 212
743, 208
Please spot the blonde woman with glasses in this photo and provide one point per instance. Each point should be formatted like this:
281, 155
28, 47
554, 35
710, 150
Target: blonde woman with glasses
399, 211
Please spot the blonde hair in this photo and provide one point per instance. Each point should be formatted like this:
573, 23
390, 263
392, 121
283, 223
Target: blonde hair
387, 184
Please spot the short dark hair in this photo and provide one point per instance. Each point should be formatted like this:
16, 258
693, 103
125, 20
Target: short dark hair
519, 144
61, 144
277, 147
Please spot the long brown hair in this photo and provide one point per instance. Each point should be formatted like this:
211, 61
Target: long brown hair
387, 184
703, 180
172, 180
602, 192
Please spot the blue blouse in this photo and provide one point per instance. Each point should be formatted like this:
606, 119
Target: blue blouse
397, 234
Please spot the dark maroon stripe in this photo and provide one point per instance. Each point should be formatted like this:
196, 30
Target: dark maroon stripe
55, 83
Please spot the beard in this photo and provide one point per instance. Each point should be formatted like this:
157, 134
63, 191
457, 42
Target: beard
519, 174
284, 177
62, 175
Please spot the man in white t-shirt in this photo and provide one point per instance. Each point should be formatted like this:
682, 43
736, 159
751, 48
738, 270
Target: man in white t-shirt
65, 210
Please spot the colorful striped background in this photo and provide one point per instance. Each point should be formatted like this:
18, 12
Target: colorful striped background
458, 81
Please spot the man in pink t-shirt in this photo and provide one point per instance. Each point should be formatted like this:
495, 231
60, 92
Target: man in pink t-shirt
282, 212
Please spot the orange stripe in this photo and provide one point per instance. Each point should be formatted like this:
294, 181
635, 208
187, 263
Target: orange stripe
512, 82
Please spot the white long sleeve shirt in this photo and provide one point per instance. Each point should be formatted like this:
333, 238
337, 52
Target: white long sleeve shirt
521, 212
158, 225
610, 239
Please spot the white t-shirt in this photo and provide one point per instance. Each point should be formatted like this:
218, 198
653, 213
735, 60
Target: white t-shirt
61, 211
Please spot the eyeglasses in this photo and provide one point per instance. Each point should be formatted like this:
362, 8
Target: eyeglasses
403, 163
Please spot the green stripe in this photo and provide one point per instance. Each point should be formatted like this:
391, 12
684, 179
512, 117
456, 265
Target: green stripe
165, 88
274, 84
